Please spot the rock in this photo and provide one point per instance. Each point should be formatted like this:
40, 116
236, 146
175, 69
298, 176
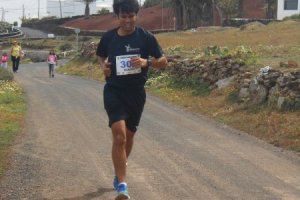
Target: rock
244, 93
282, 81
246, 83
283, 64
280, 102
248, 75
273, 95
224, 82
292, 64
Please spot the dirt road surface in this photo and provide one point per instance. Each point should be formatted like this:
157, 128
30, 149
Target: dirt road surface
64, 153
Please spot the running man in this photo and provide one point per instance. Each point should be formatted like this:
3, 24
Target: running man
126, 53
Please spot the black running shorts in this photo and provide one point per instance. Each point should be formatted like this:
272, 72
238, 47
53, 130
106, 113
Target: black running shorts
124, 104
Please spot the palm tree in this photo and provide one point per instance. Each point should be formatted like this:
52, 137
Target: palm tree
240, 8
189, 13
87, 7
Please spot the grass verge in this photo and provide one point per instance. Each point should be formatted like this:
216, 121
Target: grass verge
12, 111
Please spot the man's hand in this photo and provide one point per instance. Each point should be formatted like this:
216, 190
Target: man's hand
138, 62
106, 69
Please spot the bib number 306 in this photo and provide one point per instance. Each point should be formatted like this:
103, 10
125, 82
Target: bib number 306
124, 67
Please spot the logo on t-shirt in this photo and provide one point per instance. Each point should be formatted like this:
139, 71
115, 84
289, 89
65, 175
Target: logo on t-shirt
129, 49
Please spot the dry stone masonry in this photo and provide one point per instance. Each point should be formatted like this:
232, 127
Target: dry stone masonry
268, 85
209, 71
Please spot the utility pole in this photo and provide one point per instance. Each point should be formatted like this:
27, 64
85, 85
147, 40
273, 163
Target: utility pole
2, 19
162, 14
3, 14
23, 15
60, 9
213, 11
38, 9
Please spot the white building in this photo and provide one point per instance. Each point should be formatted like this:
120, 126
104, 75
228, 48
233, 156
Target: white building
287, 8
68, 8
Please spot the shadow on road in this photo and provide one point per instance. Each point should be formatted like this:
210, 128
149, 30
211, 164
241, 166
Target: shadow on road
90, 195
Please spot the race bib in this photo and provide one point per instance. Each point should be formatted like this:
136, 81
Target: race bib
124, 67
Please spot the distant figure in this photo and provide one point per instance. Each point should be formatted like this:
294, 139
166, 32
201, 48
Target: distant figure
52, 60
16, 52
4, 59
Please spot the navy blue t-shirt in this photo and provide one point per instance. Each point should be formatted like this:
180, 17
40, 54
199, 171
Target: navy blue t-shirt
118, 49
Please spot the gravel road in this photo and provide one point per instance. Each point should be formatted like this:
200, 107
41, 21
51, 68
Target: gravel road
64, 153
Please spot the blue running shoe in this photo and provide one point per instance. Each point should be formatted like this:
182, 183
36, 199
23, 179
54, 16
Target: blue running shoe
115, 182
122, 192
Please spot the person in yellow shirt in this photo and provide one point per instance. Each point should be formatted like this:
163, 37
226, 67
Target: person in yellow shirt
15, 52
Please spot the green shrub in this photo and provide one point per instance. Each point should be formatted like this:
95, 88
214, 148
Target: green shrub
192, 84
295, 17
290, 105
245, 55
216, 51
71, 38
5, 74
233, 96
65, 47
85, 38
37, 45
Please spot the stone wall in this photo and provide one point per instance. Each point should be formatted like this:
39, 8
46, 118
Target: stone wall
268, 85
272, 86
209, 71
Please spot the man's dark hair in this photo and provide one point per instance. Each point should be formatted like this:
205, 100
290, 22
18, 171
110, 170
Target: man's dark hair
126, 6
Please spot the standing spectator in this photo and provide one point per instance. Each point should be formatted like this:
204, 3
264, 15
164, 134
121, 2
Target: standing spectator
16, 52
52, 60
4, 59
126, 53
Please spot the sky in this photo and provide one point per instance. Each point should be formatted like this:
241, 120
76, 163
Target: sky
13, 9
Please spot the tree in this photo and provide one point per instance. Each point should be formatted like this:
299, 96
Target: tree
215, 7
191, 13
87, 7
240, 4
179, 10
230, 8
103, 11
271, 8
149, 3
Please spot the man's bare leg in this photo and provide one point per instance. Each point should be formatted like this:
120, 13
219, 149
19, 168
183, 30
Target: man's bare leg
129, 142
119, 149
